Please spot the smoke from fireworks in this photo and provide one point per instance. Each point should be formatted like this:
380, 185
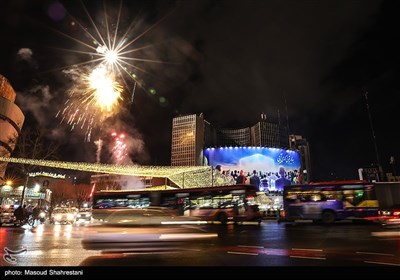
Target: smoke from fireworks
99, 144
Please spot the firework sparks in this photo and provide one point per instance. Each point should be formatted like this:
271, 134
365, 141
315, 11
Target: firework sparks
102, 89
93, 98
119, 149
99, 144
98, 83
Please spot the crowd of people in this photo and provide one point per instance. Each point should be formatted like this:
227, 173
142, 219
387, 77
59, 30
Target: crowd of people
265, 181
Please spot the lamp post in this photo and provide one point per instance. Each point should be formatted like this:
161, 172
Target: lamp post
23, 190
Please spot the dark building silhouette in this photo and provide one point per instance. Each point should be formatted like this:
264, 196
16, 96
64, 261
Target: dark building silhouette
297, 142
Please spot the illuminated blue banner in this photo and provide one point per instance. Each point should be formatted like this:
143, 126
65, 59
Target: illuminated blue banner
267, 162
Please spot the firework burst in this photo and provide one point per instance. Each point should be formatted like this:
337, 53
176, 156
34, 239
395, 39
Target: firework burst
100, 84
93, 98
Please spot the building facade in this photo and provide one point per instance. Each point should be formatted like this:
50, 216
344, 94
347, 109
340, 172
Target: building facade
11, 121
269, 134
188, 140
38, 189
192, 133
262, 134
234, 137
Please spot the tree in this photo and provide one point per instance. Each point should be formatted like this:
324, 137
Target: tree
82, 193
61, 193
31, 144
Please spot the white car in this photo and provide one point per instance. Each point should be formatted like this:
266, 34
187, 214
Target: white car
62, 216
84, 214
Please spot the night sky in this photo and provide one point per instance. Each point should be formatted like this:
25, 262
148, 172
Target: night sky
231, 60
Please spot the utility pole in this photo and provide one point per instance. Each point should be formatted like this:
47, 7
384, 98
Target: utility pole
24, 190
374, 137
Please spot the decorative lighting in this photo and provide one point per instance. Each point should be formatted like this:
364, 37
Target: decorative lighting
182, 176
47, 174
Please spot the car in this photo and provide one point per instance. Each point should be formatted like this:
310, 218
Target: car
84, 214
390, 216
393, 211
7, 215
62, 216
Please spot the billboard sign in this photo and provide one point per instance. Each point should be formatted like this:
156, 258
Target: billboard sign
264, 160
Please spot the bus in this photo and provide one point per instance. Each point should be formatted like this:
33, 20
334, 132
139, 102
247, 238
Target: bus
234, 203
330, 201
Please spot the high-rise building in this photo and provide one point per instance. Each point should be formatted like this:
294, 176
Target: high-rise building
262, 134
188, 140
192, 133
269, 134
234, 137
11, 121
297, 142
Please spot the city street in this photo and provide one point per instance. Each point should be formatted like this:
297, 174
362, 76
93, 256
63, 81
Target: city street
271, 244
185, 135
